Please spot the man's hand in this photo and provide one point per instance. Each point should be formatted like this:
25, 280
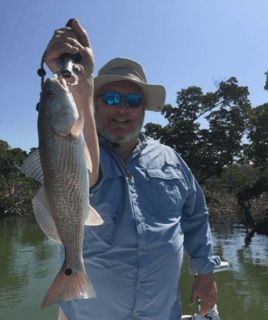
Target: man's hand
71, 40
204, 288
74, 40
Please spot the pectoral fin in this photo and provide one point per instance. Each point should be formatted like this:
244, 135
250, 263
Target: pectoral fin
87, 157
77, 127
93, 218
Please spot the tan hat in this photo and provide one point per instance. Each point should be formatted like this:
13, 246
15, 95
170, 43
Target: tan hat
127, 69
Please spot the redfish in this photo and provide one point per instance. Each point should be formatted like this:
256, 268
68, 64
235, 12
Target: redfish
61, 207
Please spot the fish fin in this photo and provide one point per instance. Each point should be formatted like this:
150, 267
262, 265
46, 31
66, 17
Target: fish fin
87, 157
32, 167
74, 286
77, 127
43, 216
93, 218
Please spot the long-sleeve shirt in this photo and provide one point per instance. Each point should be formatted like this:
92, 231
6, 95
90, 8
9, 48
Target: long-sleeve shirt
151, 209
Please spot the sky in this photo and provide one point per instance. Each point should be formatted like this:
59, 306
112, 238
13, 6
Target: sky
179, 43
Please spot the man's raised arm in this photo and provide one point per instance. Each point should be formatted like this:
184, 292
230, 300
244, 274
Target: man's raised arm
74, 40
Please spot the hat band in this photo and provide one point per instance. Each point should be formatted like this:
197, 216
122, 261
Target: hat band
124, 72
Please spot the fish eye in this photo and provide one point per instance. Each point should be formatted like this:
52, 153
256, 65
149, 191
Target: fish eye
50, 94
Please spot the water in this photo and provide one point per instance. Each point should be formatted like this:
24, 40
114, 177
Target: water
29, 264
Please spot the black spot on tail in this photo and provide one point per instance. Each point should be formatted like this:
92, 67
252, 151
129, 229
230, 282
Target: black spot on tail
115, 145
68, 272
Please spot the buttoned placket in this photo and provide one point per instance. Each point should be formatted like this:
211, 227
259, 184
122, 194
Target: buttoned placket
141, 256
141, 235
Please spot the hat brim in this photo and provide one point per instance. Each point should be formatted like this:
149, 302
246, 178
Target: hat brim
155, 94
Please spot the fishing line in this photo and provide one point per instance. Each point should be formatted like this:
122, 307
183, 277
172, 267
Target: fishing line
42, 72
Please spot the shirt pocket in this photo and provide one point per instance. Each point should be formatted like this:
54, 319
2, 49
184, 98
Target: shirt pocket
169, 188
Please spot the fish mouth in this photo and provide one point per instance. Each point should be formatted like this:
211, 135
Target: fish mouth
62, 84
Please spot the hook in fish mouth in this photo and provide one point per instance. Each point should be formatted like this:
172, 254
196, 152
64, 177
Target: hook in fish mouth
61, 83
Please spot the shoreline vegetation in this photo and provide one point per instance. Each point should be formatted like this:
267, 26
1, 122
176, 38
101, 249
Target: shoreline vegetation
239, 194
220, 197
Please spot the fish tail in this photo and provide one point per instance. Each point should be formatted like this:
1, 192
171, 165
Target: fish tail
69, 286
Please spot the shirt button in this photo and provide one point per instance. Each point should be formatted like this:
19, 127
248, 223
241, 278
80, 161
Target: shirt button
138, 284
132, 190
114, 219
135, 314
140, 219
141, 252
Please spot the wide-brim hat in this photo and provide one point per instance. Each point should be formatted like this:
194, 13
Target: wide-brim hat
127, 69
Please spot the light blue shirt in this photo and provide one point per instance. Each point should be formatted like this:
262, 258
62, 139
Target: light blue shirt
134, 259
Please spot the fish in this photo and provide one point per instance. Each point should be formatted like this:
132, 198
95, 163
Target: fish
61, 207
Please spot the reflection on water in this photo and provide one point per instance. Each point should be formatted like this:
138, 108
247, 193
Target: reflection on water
29, 264
247, 281
243, 289
27, 269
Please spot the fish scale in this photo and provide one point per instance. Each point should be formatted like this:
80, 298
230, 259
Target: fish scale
61, 207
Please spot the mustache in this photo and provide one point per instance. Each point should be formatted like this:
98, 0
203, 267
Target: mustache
109, 136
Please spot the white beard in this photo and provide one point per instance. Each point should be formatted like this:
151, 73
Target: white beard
106, 134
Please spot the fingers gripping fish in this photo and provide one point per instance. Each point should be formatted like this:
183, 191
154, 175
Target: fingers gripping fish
62, 207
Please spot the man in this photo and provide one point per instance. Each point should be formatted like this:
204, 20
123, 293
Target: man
145, 193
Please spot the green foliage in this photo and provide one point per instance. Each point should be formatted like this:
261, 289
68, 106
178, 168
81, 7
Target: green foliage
208, 195
6, 201
16, 190
258, 136
255, 191
244, 199
206, 151
237, 176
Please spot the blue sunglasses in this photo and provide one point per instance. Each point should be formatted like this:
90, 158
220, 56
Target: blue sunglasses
113, 99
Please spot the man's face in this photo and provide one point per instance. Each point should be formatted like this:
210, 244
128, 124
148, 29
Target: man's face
120, 124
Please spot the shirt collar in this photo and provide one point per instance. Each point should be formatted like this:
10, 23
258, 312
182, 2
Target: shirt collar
142, 144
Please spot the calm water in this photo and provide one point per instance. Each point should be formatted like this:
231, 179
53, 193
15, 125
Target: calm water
29, 263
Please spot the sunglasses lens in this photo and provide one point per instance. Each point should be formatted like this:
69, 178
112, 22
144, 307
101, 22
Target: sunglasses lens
133, 101
111, 98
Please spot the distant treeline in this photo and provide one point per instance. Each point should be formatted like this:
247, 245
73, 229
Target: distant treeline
16, 190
